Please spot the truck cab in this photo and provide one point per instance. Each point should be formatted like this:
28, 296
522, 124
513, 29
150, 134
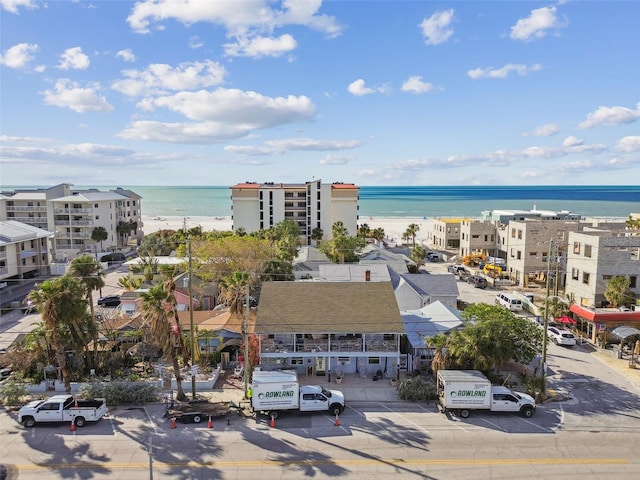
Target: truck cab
315, 398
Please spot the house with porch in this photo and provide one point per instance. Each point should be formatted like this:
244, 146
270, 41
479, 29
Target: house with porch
320, 328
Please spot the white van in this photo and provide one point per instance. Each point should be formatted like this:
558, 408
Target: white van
509, 301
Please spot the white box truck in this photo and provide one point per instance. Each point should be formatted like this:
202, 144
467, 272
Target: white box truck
465, 390
275, 391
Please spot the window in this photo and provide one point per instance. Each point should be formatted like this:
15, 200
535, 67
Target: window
633, 281
607, 277
575, 273
374, 360
576, 248
635, 253
513, 233
533, 254
344, 360
587, 251
519, 255
296, 361
519, 234
585, 278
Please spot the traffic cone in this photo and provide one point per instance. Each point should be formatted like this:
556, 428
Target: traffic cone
76, 404
72, 427
210, 424
337, 422
173, 422
273, 422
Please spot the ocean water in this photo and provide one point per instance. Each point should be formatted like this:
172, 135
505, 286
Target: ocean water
386, 201
413, 201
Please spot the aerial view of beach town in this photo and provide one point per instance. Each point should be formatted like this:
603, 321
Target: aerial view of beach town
286, 240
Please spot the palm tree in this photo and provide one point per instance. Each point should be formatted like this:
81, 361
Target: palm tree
317, 234
233, 289
130, 283
62, 304
412, 231
91, 274
99, 234
159, 316
364, 231
378, 234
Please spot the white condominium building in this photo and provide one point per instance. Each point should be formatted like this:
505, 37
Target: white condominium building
72, 215
260, 206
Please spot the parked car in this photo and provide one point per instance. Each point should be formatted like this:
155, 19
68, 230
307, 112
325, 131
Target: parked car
109, 301
456, 269
477, 281
561, 337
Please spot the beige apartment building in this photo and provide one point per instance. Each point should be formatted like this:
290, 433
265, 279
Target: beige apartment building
260, 206
596, 256
72, 215
478, 237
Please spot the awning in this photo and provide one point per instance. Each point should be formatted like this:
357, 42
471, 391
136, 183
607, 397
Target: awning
624, 332
565, 319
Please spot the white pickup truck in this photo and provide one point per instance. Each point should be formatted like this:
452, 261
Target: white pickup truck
274, 391
62, 408
466, 390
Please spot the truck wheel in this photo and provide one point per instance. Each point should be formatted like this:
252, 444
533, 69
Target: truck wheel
464, 413
29, 422
197, 419
336, 409
80, 422
527, 412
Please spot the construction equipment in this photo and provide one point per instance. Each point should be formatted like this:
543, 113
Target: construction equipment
492, 270
474, 259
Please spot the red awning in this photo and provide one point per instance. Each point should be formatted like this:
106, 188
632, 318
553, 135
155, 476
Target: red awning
566, 319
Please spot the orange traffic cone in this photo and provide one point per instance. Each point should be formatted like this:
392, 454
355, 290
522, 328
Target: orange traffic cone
76, 404
210, 424
72, 427
273, 421
337, 422
173, 422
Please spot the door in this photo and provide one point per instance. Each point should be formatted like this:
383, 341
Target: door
320, 366
504, 403
49, 412
314, 402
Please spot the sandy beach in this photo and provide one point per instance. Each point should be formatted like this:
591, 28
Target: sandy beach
393, 227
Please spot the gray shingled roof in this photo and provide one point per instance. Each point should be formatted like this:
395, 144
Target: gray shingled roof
432, 284
325, 307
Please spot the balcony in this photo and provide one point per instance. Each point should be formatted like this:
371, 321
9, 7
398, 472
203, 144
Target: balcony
332, 346
29, 220
25, 208
71, 211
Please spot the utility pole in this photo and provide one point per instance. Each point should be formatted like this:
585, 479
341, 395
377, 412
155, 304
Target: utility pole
246, 343
546, 322
191, 332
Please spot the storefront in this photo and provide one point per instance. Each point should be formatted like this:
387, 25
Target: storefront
596, 323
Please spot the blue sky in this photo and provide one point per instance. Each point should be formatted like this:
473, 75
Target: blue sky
204, 92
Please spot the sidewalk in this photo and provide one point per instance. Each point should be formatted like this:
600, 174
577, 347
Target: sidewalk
620, 365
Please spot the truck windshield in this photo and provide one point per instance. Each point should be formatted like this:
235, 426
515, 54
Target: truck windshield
326, 392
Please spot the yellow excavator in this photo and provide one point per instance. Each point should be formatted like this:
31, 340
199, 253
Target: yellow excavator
491, 270
474, 259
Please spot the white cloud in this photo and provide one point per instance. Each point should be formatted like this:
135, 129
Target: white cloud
19, 55
278, 147
611, 116
359, 89
572, 141
437, 28
536, 25
68, 94
503, 72
332, 159
159, 78
629, 144
73, 59
249, 23
546, 130
126, 55
13, 5
249, 150
195, 42
415, 84
220, 115
257, 47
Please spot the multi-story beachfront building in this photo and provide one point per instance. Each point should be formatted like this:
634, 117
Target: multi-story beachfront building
24, 252
312, 205
72, 215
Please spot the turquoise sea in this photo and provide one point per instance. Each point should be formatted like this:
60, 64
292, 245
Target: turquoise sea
411, 201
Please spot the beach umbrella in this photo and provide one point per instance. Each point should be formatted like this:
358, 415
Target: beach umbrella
565, 319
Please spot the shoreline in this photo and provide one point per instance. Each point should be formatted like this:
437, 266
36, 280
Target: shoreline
393, 227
